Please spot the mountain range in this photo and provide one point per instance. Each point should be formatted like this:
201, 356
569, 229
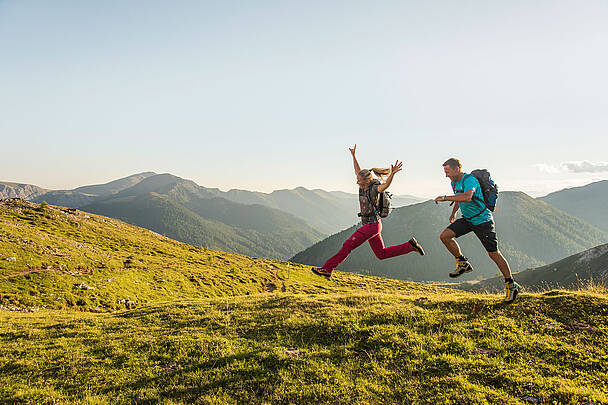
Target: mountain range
80, 196
327, 211
587, 202
182, 210
20, 190
531, 233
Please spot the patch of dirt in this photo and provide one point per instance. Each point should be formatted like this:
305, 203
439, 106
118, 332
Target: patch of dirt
28, 271
292, 351
270, 287
482, 350
168, 368
579, 326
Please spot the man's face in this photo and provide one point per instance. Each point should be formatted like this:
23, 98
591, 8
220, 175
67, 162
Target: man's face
451, 172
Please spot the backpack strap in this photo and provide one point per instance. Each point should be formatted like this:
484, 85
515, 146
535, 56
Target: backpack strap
477, 200
368, 194
476, 215
369, 198
463, 179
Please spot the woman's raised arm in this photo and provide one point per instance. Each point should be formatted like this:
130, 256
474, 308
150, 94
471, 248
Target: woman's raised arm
356, 164
394, 169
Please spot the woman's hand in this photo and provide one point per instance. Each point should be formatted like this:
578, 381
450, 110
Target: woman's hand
396, 167
353, 150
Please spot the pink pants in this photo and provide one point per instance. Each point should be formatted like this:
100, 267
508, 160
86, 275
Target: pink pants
371, 233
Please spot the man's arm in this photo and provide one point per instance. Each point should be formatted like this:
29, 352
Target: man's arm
355, 163
455, 209
466, 197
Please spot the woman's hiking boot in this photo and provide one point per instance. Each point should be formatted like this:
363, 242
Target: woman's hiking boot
462, 266
320, 271
417, 247
512, 290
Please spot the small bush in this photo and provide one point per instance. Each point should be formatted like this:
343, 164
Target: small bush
44, 206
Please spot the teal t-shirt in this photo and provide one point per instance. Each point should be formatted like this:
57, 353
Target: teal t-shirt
472, 208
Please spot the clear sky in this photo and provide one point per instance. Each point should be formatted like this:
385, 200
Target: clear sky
263, 95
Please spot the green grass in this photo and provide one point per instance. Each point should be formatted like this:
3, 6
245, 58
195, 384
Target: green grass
55, 252
215, 328
355, 348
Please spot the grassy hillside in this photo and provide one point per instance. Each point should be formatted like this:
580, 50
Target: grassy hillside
93, 310
590, 266
52, 258
184, 211
531, 233
586, 202
346, 348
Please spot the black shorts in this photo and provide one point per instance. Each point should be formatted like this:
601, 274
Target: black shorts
485, 232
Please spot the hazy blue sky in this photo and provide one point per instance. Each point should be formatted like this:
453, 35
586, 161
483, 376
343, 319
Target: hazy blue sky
263, 95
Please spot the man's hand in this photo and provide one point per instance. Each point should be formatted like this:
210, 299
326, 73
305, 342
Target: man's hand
439, 199
353, 150
452, 219
396, 167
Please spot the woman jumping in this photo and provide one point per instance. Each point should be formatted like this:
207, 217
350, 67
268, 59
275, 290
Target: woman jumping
369, 188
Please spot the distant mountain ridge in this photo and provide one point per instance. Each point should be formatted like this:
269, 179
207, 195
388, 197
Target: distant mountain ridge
571, 272
87, 194
531, 233
182, 210
327, 211
588, 202
20, 190
115, 186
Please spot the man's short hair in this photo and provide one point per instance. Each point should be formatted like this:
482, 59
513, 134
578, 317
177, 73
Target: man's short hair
453, 163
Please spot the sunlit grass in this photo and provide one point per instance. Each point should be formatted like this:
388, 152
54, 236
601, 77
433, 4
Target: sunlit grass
328, 348
184, 324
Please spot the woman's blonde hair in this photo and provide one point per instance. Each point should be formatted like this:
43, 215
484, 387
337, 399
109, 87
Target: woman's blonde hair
367, 174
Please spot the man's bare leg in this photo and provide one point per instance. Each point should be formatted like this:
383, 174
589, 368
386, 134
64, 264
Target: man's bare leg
502, 264
447, 237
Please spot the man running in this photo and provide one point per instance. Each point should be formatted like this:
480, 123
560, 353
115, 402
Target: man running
477, 218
